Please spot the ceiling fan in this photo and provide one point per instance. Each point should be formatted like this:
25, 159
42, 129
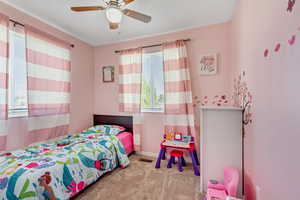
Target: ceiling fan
115, 9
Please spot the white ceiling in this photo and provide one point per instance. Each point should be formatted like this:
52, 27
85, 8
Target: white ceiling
91, 27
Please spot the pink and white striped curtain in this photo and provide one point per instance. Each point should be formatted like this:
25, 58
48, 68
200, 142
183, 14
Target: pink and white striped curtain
49, 85
130, 70
4, 25
179, 112
130, 80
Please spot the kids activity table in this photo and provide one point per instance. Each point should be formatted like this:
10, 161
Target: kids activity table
190, 148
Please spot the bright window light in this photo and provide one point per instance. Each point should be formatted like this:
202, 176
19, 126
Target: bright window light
153, 98
17, 90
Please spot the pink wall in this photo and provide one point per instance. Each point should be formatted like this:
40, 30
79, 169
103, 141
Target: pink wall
272, 141
82, 79
210, 39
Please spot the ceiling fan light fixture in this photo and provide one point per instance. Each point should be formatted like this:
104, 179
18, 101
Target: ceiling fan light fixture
114, 15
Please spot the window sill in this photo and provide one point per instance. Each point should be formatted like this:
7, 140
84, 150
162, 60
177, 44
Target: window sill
17, 113
152, 110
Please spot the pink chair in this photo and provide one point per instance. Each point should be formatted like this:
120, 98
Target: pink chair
229, 188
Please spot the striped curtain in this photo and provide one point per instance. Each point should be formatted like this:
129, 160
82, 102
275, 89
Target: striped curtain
49, 70
130, 80
179, 112
4, 23
130, 70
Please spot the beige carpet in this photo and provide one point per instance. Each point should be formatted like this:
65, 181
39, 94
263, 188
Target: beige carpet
141, 181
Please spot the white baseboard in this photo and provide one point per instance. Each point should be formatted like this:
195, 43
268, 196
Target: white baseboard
149, 154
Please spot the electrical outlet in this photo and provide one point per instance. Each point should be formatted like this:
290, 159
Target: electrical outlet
257, 190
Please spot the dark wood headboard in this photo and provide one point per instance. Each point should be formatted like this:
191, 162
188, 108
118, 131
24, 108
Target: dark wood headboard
125, 121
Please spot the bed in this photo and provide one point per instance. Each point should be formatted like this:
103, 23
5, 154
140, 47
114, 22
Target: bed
126, 137
60, 169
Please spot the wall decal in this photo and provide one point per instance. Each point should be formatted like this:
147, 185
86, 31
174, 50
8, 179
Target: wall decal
277, 48
217, 100
291, 5
266, 53
292, 40
196, 101
221, 100
242, 96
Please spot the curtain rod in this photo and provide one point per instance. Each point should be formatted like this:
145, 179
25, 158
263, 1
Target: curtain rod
20, 24
16, 23
149, 46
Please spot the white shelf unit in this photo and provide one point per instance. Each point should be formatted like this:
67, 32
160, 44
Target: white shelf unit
220, 142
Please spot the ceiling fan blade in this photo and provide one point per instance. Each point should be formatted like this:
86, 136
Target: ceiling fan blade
128, 1
87, 8
113, 26
137, 15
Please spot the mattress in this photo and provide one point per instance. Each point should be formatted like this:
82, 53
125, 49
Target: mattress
126, 139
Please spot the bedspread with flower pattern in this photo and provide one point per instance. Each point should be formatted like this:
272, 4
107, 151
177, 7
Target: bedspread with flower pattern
59, 170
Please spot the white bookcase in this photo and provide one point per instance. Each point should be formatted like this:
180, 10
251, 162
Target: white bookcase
220, 142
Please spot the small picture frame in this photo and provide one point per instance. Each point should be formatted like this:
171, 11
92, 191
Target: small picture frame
208, 64
108, 73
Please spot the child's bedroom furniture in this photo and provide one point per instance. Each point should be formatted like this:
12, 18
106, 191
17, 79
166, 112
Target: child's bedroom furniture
125, 137
62, 168
220, 142
179, 155
223, 190
190, 148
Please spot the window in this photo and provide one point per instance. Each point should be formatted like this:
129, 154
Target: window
152, 96
17, 88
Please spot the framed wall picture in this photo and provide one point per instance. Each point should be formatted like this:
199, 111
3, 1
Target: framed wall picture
208, 64
108, 73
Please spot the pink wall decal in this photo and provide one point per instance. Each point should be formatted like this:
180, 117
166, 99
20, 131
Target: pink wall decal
292, 40
266, 53
291, 5
215, 100
243, 97
277, 48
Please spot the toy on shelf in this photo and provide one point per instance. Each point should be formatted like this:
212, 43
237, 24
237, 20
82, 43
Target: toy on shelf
179, 141
227, 189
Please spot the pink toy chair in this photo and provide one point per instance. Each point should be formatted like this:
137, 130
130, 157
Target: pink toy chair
229, 188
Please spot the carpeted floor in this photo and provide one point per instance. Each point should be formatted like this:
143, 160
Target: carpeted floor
141, 181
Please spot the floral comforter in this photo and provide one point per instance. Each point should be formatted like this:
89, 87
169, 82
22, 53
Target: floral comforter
59, 170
